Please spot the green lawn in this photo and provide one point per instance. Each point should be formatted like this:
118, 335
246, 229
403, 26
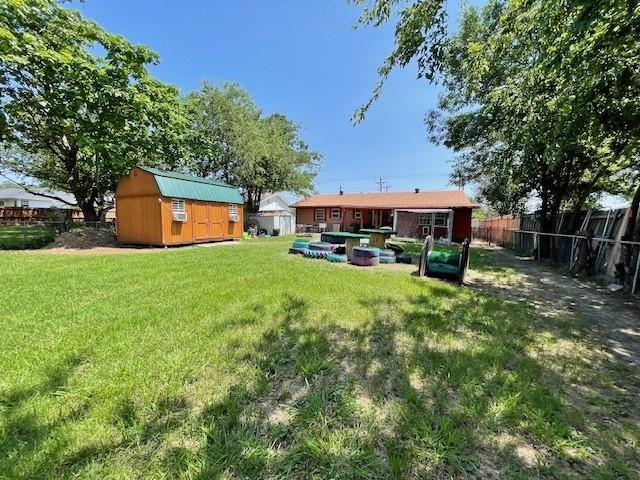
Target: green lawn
15, 237
242, 361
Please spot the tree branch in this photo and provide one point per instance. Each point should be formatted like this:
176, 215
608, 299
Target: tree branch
34, 192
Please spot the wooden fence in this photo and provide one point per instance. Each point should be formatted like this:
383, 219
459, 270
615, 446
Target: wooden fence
20, 214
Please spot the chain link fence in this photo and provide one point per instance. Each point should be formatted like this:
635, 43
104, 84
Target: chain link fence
617, 259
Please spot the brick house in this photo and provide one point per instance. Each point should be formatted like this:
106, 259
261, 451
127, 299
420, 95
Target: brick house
443, 214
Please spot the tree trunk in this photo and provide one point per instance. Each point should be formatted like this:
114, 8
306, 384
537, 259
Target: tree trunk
89, 212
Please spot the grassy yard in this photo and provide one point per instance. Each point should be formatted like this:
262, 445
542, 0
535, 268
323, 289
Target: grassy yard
242, 361
15, 237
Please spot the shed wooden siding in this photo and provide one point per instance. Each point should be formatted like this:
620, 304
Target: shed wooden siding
145, 217
461, 224
207, 221
138, 214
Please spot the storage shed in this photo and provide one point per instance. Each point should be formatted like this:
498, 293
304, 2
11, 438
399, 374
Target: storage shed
156, 207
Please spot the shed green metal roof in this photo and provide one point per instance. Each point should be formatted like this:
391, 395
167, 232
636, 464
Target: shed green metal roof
179, 185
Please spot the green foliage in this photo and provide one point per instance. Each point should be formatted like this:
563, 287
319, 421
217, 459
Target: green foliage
229, 138
25, 237
539, 96
78, 104
420, 34
522, 103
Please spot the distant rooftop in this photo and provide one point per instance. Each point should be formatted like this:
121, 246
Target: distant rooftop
22, 194
396, 200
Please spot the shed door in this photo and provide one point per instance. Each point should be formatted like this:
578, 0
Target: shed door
200, 221
216, 219
285, 225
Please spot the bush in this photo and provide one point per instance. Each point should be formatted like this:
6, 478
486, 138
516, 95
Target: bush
15, 237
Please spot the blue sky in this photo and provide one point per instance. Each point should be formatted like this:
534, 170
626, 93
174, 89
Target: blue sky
302, 58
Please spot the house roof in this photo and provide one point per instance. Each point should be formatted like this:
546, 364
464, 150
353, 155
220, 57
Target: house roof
266, 197
395, 200
179, 185
22, 194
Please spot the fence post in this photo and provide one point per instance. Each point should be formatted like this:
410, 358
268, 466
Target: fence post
573, 246
635, 278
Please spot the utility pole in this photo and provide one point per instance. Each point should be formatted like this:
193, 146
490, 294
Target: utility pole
382, 185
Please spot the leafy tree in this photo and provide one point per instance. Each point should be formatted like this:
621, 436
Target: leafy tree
540, 97
78, 105
512, 105
230, 139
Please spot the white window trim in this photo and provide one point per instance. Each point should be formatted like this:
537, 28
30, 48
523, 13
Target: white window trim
425, 219
333, 211
24, 203
446, 220
233, 209
316, 217
357, 214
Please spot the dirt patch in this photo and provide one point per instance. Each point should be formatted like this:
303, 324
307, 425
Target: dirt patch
85, 238
611, 317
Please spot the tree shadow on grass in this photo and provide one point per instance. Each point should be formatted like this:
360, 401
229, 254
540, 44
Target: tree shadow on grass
447, 386
445, 383
25, 431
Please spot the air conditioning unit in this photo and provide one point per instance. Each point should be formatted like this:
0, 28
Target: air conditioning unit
179, 216
234, 217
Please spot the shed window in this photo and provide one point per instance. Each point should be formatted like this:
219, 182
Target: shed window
177, 205
233, 209
357, 214
335, 213
441, 220
24, 203
319, 215
424, 219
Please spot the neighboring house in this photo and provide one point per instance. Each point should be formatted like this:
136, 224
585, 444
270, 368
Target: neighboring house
443, 214
275, 214
156, 207
20, 198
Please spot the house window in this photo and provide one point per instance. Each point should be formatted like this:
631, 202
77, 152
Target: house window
24, 203
424, 219
319, 215
441, 220
426, 230
357, 213
233, 209
335, 213
177, 206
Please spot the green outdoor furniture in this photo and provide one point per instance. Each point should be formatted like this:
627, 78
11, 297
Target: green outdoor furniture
350, 240
444, 264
